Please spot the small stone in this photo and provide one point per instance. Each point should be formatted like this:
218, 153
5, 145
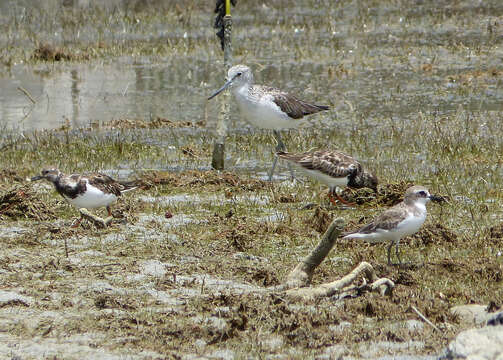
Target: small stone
472, 314
153, 268
10, 298
273, 343
484, 343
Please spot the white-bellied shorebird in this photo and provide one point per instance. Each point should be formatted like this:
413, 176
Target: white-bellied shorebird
266, 107
334, 169
399, 221
88, 191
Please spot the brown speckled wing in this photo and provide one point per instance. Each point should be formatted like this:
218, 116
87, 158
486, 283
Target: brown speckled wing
105, 183
332, 163
293, 107
388, 220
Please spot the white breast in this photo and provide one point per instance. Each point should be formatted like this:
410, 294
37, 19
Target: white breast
92, 198
262, 112
411, 224
331, 182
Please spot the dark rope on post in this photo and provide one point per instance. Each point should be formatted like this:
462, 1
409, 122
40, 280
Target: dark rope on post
223, 22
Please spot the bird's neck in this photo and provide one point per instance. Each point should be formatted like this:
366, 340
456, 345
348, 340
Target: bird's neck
418, 205
241, 90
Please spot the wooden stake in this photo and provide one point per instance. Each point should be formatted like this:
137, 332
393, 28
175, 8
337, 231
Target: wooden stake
218, 157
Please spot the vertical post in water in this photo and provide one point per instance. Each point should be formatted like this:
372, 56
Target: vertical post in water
217, 161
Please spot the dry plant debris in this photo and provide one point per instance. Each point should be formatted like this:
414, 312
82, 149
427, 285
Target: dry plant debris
21, 202
48, 52
196, 178
157, 123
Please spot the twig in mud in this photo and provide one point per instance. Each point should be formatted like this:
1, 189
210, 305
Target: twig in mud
103, 265
425, 319
66, 248
24, 91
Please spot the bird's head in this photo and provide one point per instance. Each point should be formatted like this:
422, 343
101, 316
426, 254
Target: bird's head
50, 173
237, 76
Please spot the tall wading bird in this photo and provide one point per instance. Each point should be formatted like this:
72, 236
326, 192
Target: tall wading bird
266, 107
88, 191
334, 169
399, 221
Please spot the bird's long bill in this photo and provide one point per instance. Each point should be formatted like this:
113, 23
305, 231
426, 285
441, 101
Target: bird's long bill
437, 198
35, 178
226, 85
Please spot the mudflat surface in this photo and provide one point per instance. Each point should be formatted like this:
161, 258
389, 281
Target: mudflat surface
415, 91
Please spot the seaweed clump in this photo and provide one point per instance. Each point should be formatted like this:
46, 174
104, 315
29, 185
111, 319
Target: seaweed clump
20, 202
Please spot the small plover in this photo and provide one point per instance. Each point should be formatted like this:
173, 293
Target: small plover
401, 220
334, 169
266, 107
88, 191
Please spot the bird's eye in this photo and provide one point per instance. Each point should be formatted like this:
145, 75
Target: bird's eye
422, 193
239, 73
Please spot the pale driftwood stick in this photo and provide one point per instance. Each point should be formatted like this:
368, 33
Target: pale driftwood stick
425, 319
104, 265
96, 220
296, 285
24, 91
303, 272
331, 288
384, 286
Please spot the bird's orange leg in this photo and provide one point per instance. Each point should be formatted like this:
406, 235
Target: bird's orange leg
332, 200
77, 223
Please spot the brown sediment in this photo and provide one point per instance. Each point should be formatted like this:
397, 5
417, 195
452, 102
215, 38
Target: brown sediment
48, 52
194, 178
157, 123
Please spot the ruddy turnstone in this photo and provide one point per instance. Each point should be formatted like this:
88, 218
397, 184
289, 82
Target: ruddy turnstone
401, 220
88, 191
334, 169
266, 107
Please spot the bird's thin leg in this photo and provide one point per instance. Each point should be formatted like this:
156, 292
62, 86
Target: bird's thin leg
109, 211
280, 146
398, 253
271, 172
389, 252
77, 223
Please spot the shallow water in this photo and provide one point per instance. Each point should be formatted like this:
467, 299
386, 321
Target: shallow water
377, 59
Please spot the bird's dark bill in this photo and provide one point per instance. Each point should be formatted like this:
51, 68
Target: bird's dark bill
437, 198
35, 178
226, 85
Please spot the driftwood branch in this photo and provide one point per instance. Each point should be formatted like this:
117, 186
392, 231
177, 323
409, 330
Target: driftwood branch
383, 286
27, 94
298, 280
303, 272
96, 220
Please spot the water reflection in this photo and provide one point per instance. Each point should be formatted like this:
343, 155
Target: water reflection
83, 94
370, 58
